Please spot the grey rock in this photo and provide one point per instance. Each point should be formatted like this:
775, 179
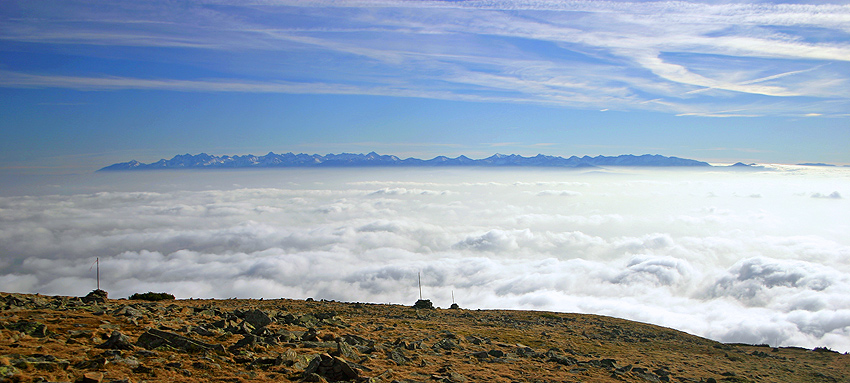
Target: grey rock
311, 335
91, 377
397, 356
242, 328
525, 352
257, 318
297, 361
96, 296
563, 360
423, 304
31, 328
153, 338
252, 340
117, 341
481, 355
128, 311
446, 344
356, 340
347, 351
201, 330
40, 362
333, 369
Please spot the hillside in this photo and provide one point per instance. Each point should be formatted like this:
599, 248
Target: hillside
69, 339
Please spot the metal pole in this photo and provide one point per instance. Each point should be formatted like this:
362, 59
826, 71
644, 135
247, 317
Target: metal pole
420, 285
98, 272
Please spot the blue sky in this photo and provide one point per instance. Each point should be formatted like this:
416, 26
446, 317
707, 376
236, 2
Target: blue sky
84, 84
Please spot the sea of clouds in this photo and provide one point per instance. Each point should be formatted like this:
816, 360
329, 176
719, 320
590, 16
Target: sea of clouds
736, 256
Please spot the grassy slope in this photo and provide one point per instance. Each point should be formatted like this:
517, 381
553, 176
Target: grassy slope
596, 348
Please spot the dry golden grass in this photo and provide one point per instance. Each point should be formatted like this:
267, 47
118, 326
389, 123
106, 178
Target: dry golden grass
524, 346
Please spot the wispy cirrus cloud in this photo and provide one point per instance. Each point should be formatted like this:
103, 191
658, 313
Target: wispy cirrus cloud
687, 58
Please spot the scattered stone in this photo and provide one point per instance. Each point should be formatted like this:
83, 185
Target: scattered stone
646, 375
128, 311
40, 362
397, 356
313, 377
563, 360
153, 339
7, 371
481, 355
446, 344
419, 348
525, 351
96, 296
308, 321
423, 304
296, 361
91, 377
356, 340
449, 375
242, 328
205, 365
311, 335
347, 351
253, 340
325, 315
117, 341
257, 318
333, 369
91, 364
34, 329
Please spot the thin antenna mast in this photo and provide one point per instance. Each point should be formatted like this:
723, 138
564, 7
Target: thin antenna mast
96, 262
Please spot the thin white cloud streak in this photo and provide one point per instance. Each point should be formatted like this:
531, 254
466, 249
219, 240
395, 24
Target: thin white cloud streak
689, 250
459, 51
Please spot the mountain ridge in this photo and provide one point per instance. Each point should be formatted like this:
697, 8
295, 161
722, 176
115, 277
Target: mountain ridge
372, 159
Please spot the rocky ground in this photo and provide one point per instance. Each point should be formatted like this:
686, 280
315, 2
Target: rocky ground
69, 339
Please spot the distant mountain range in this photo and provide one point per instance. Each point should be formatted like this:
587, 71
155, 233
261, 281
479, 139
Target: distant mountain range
272, 160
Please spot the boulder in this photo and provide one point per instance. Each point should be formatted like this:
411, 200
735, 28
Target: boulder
34, 329
331, 368
91, 377
296, 361
397, 356
445, 344
96, 296
257, 318
153, 338
117, 341
423, 304
253, 340
347, 351
40, 362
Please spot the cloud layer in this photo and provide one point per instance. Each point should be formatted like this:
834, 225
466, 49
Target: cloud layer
689, 250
